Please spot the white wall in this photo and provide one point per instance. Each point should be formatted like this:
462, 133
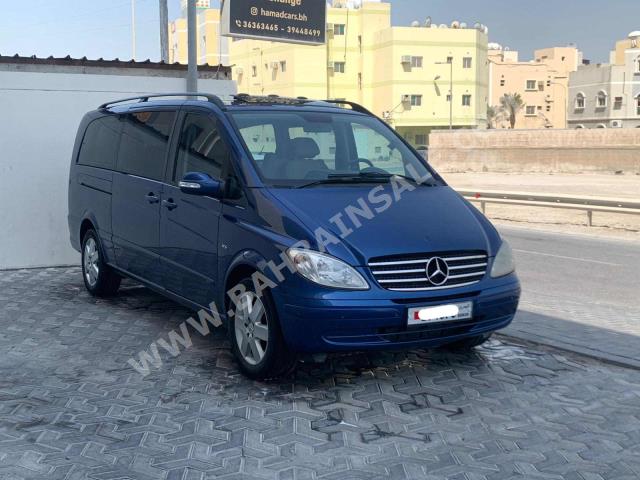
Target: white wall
39, 117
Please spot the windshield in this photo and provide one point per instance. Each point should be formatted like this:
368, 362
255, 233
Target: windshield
296, 148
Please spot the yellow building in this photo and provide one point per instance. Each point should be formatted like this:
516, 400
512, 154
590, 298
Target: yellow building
543, 84
400, 73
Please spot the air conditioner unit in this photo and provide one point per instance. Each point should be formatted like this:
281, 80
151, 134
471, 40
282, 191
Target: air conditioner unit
616, 123
406, 59
331, 65
239, 71
329, 27
406, 98
275, 65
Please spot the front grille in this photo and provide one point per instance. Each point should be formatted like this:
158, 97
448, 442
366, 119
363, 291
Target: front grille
408, 273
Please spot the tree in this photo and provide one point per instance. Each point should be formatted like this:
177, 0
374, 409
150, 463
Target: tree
511, 104
493, 115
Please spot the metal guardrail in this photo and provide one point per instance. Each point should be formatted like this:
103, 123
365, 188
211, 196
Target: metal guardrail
569, 202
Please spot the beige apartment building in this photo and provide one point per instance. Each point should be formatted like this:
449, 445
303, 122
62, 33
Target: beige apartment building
542, 82
213, 48
401, 73
608, 95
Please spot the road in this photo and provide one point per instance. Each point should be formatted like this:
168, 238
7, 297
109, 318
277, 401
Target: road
579, 292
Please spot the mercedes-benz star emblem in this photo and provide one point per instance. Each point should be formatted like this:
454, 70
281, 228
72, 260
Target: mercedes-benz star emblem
437, 271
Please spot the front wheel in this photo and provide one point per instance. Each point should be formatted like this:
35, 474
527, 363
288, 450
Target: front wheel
256, 338
467, 343
99, 278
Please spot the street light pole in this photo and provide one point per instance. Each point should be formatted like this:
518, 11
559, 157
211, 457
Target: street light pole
450, 90
192, 71
164, 31
133, 29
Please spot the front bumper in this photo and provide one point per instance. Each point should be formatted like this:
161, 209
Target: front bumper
330, 325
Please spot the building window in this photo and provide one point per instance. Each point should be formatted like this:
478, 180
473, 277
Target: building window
466, 100
580, 101
530, 111
617, 103
466, 62
338, 67
448, 97
421, 139
449, 59
531, 85
360, 80
254, 71
638, 105
638, 64
338, 29
601, 99
548, 108
416, 100
502, 82
548, 83
416, 62
283, 66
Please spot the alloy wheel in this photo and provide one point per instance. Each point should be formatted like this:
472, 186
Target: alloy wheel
251, 328
91, 259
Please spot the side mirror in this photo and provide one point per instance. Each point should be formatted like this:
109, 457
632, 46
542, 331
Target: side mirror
198, 183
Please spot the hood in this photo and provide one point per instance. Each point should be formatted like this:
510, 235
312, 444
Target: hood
423, 220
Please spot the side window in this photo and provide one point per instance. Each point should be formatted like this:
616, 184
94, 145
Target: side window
201, 148
100, 143
377, 149
144, 143
260, 139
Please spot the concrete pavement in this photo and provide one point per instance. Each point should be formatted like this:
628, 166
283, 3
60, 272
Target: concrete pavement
579, 292
71, 408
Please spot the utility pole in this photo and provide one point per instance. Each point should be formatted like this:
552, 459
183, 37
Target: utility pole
164, 31
192, 26
133, 29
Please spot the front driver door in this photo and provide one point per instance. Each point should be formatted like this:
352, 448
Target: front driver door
189, 223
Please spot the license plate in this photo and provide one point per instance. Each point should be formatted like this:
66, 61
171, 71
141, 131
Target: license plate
440, 313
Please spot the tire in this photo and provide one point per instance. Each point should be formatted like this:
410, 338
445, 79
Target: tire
467, 343
100, 279
256, 337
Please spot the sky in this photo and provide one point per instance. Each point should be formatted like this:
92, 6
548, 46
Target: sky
103, 28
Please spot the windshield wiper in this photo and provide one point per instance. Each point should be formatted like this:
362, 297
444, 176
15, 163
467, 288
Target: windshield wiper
348, 178
362, 177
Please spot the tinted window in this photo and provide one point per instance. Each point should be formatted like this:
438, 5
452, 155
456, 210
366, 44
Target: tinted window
201, 149
144, 143
100, 144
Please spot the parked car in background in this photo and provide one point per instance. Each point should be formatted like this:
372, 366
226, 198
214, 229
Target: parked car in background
194, 197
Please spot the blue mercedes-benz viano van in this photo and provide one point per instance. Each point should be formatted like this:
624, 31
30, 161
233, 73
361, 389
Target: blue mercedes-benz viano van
306, 227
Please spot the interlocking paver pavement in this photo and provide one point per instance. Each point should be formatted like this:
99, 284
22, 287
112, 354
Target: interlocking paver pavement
72, 408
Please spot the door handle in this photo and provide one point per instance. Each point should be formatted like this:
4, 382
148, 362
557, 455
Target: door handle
170, 204
152, 198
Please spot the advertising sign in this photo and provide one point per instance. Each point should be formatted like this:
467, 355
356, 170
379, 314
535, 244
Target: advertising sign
293, 21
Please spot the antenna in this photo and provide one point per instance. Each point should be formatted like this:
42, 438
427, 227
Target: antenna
455, 24
415, 24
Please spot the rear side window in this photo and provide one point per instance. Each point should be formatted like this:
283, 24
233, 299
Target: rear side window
144, 143
100, 143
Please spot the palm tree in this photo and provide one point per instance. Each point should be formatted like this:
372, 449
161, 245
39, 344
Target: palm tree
511, 104
493, 115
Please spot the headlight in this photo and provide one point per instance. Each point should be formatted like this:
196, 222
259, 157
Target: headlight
503, 264
326, 270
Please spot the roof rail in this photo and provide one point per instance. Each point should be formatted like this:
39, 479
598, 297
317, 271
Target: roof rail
356, 107
145, 98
